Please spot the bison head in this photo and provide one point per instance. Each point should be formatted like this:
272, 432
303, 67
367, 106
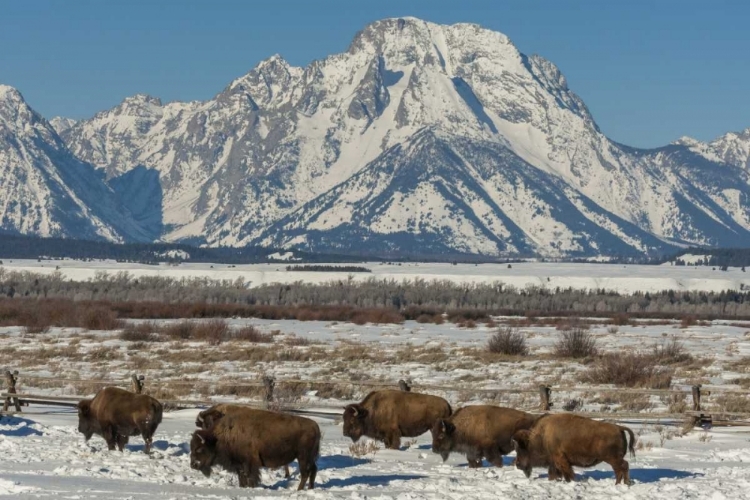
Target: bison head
354, 421
207, 418
520, 443
442, 438
203, 451
85, 420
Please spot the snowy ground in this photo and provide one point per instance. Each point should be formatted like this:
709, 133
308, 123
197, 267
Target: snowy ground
625, 279
43, 456
425, 354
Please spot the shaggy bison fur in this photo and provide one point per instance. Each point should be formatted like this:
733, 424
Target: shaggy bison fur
208, 418
479, 432
116, 414
243, 445
388, 415
559, 442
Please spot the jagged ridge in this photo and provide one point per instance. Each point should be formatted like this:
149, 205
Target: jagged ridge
420, 138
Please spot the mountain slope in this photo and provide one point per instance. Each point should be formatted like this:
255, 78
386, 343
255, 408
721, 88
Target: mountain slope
420, 138
45, 189
732, 148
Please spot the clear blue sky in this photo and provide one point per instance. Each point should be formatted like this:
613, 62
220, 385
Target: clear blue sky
650, 71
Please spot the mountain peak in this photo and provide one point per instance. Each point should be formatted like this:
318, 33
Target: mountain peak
10, 94
140, 99
273, 60
686, 140
61, 123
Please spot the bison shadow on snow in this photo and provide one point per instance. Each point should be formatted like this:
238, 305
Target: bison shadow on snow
383, 480
23, 425
636, 475
340, 462
508, 461
162, 445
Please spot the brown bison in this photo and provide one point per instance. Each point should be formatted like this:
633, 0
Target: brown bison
479, 432
208, 418
387, 415
267, 439
116, 414
562, 441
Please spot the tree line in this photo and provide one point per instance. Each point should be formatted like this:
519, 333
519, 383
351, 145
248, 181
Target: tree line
420, 294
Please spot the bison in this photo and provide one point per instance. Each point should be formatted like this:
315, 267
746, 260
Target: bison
559, 442
116, 414
243, 445
208, 418
387, 415
480, 432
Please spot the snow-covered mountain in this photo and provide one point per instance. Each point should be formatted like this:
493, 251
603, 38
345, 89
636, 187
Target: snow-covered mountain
45, 190
61, 124
732, 148
420, 138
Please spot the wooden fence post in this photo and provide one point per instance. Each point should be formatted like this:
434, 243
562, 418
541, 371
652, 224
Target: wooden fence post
404, 386
697, 397
269, 383
700, 420
10, 380
545, 394
137, 383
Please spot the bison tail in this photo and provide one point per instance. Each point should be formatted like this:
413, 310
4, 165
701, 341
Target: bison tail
626, 432
157, 413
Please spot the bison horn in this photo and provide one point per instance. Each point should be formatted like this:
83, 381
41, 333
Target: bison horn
354, 411
203, 440
514, 443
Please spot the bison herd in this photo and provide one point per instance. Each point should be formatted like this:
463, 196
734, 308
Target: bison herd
243, 440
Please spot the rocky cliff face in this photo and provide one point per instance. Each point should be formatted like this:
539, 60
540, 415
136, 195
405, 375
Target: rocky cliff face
45, 190
420, 138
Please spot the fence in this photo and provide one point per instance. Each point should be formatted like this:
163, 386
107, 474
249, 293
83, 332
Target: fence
268, 385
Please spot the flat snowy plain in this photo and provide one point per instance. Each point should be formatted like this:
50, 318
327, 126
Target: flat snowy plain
622, 278
43, 456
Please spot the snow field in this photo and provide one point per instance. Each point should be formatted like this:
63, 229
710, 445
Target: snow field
617, 277
43, 456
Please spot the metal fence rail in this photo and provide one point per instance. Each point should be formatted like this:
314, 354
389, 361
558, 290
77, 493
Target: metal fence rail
698, 413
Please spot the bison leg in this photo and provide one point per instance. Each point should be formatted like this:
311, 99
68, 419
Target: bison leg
474, 463
495, 457
304, 472
564, 468
622, 471
286, 472
308, 469
393, 440
147, 433
253, 475
242, 478
248, 475
313, 472
121, 441
110, 436
554, 474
